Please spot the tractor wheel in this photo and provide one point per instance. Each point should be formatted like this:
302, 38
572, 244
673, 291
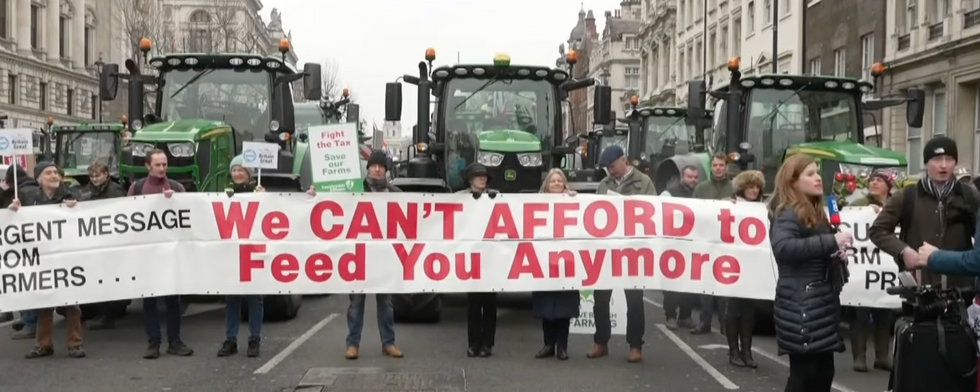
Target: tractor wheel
278, 307
89, 311
425, 307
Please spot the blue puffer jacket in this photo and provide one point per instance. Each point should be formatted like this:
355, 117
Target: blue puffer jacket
806, 308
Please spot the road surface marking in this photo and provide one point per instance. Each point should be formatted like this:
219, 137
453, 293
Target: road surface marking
770, 356
713, 347
724, 381
5, 324
276, 360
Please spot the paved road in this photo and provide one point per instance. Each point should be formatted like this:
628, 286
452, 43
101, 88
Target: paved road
309, 351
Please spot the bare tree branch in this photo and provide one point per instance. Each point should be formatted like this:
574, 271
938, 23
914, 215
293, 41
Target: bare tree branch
141, 19
231, 29
330, 80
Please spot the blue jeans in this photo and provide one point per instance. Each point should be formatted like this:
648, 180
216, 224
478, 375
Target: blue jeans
707, 308
233, 316
151, 319
29, 317
355, 319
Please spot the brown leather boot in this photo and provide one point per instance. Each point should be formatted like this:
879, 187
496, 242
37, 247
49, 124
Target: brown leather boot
859, 346
351, 353
597, 351
636, 355
392, 351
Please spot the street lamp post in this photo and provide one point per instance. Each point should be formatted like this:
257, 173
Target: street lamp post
98, 70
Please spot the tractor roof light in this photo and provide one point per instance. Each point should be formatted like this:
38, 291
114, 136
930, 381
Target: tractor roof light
283, 46
346, 92
733, 64
571, 57
734, 157
421, 147
430, 55
634, 100
145, 45
501, 60
877, 70
124, 120
50, 120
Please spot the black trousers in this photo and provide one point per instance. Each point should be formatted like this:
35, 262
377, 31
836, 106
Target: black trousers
481, 319
677, 306
635, 319
810, 372
556, 332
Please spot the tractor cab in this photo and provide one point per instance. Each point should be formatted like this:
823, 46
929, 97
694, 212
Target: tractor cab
783, 115
506, 117
206, 106
78, 146
663, 132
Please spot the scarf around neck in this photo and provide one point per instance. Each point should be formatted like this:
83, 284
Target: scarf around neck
939, 191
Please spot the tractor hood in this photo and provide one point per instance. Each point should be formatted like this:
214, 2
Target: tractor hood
850, 152
185, 129
508, 140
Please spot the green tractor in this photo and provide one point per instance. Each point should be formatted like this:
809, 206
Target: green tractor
663, 132
78, 146
507, 117
326, 111
206, 106
793, 114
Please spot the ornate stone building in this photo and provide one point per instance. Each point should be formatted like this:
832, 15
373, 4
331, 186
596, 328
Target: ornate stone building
615, 60
657, 52
576, 118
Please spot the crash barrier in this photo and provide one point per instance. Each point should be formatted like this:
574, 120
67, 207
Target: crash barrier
213, 244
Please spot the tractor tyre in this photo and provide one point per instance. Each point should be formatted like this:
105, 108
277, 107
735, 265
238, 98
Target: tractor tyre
278, 307
420, 308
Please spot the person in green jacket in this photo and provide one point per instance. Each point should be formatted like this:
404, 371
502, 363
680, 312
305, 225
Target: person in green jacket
719, 186
627, 181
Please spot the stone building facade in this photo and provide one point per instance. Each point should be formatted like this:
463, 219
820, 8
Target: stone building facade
615, 61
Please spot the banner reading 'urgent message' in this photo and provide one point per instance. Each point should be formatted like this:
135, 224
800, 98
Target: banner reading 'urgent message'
211, 244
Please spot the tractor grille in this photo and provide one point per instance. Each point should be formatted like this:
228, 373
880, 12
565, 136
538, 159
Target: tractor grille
521, 180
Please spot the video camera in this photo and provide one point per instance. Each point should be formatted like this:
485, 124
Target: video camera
924, 303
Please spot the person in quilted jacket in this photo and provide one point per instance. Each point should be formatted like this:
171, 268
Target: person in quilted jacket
807, 304
740, 312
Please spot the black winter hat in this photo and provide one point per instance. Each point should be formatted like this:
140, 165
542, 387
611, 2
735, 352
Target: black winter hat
39, 168
378, 157
476, 169
610, 155
940, 145
21, 173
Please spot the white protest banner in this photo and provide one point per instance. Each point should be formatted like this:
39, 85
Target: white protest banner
585, 323
335, 157
16, 141
266, 243
260, 155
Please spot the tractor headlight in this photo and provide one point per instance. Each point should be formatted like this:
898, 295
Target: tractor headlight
137, 125
181, 150
530, 159
141, 149
490, 159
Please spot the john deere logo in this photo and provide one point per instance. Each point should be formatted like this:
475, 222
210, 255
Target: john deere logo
510, 175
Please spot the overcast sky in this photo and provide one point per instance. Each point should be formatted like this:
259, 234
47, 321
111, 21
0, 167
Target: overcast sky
375, 41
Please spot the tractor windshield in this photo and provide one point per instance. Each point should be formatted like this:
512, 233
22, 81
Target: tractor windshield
666, 136
501, 104
240, 98
80, 149
613, 140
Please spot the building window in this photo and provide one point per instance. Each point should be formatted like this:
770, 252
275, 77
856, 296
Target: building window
784, 7
942, 9
63, 37
867, 55
815, 66
70, 101
913, 149
737, 38
12, 89
200, 35
632, 43
42, 95
939, 113
766, 12
723, 44
750, 14
690, 63
35, 27
683, 14
699, 56
95, 106
911, 15
683, 69
88, 45
632, 78
3, 20
840, 63
711, 50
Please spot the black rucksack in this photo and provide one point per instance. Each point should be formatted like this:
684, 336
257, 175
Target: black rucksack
138, 186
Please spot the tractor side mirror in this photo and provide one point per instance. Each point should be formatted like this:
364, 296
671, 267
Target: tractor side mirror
571, 140
312, 81
602, 99
393, 101
916, 107
135, 104
354, 113
303, 137
109, 81
696, 100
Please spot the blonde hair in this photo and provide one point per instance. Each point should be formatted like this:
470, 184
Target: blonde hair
547, 179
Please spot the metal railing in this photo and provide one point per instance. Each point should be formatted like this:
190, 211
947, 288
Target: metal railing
971, 18
904, 42
935, 31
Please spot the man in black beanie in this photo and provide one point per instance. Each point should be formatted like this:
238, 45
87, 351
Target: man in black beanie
938, 210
